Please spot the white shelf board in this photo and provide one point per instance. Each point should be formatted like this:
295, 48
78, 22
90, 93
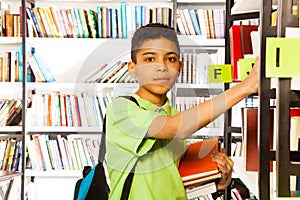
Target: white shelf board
10, 129
54, 173
198, 40
10, 40
60, 129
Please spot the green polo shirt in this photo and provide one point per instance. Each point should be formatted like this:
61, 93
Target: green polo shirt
156, 174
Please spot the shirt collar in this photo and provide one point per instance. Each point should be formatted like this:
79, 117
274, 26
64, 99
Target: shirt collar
147, 105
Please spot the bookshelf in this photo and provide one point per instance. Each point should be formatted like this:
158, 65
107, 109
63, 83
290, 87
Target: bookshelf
71, 59
286, 160
277, 183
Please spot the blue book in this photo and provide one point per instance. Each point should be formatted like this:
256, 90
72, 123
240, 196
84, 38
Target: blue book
114, 24
44, 69
195, 22
143, 15
138, 16
123, 19
35, 22
99, 21
20, 58
49, 77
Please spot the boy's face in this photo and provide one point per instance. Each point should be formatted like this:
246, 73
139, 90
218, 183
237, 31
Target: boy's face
157, 66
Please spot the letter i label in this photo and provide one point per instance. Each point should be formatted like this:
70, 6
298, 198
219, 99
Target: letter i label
282, 57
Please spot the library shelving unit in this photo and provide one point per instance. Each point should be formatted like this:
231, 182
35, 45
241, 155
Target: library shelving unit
228, 128
285, 98
72, 58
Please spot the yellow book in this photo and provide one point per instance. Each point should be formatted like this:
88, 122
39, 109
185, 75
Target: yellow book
39, 21
45, 22
56, 22
51, 22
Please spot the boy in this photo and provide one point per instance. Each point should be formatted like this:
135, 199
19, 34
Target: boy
153, 133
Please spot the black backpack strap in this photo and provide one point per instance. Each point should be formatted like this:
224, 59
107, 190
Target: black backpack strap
102, 151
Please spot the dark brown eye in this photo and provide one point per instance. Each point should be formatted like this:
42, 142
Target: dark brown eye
150, 59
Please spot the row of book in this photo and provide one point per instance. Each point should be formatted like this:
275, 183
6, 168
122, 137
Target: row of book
10, 112
83, 109
10, 155
71, 152
10, 67
194, 71
12, 25
208, 23
185, 103
101, 22
117, 72
195, 68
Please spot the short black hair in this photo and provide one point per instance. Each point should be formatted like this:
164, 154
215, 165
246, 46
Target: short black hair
152, 31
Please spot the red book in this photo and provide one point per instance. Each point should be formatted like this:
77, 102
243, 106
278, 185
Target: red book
197, 160
250, 137
235, 49
246, 43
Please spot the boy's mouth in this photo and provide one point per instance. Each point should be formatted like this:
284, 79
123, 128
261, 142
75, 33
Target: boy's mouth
162, 79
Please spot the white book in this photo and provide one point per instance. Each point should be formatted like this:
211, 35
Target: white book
56, 155
201, 190
46, 158
98, 114
88, 156
201, 20
180, 23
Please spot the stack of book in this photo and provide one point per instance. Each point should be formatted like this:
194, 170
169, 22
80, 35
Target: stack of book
197, 169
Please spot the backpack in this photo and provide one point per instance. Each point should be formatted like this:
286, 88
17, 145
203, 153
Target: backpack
94, 184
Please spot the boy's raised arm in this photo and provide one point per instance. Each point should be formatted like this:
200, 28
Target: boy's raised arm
187, 122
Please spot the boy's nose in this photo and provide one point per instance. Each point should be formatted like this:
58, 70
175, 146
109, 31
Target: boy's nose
162, 67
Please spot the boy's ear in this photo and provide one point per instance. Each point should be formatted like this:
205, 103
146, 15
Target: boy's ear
180, 67
131, 69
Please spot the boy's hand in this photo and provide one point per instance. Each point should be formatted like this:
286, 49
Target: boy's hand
251, 82
225, 165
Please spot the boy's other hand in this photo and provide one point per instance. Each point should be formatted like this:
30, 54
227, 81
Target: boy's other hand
225, 165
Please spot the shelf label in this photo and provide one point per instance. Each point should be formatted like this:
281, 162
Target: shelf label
282, 57
245, 66
219, 73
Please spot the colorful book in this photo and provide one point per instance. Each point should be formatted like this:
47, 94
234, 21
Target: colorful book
123, 19
35, 21
99, 21
197, 160
40, 21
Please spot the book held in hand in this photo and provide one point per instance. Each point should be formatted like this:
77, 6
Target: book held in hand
197, 162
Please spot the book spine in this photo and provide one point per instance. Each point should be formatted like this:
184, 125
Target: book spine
35, 22
99, 21
123, 19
